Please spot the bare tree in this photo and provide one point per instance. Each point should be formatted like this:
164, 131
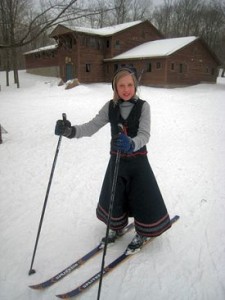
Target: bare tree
19, 26
97, 14
10, 10
163, 17
141, 10
131, 10
193, 17
110, 12
48, 17
122, 11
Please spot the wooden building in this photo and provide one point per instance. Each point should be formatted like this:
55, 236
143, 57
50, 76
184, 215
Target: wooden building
93, 55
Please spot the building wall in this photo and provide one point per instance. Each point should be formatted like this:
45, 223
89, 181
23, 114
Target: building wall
45, 71
67, 57
192, 65
93, 53
41, 59
90, 59
149, 71
132, 37
81, 56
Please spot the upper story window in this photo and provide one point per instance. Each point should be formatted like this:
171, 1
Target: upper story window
68, 42
37, 55
107, 44
117, 44
92, 42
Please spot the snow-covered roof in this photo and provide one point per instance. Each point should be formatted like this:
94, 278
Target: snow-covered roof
106, 31
159, 48
50, 47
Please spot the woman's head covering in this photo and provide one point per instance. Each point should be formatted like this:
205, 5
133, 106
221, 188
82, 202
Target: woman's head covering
121, 72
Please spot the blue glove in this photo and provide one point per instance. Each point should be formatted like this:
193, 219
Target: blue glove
123, 143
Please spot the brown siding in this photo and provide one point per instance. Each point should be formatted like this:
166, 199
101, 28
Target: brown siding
39, 59
48, 71
155, 77
197, 65
83, 55
91, 59
132, 37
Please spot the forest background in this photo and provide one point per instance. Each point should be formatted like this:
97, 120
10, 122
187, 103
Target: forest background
25, 24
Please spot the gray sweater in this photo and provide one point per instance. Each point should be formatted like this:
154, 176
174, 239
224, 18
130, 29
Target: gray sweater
102, 118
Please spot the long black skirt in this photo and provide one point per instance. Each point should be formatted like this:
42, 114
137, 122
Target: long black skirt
137, 195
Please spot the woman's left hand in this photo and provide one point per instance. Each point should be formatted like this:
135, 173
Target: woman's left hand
123, 143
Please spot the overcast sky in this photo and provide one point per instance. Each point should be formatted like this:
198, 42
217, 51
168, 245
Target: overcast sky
157, 2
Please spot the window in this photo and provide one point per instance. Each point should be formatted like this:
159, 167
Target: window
99, 44
68, 42
84, 41
149, 67
107, 44
181, 68
116, 67
172, 66
158, 65
92, 42
37, 55
88, 68
117, 44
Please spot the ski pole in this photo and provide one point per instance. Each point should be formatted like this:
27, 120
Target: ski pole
113, 191
32, 271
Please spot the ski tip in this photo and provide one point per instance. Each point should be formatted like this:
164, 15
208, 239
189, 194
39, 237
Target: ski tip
36, 287
63, 296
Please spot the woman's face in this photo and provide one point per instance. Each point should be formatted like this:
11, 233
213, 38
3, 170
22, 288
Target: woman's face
125, 87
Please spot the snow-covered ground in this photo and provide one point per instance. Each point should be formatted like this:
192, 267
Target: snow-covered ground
186, 151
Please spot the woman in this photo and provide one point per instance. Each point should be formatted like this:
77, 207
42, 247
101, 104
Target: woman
137, 193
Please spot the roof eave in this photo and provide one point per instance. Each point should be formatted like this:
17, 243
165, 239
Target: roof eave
134, 58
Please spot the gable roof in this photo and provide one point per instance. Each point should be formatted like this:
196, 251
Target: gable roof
158, 48
106, 31
46, 48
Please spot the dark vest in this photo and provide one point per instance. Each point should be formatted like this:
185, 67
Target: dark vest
131, 124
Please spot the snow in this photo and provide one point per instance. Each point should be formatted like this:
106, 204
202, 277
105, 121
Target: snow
158, 48
106, 31
186, 151
50, 47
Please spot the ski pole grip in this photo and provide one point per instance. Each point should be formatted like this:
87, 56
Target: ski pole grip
120, 127
64, 116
